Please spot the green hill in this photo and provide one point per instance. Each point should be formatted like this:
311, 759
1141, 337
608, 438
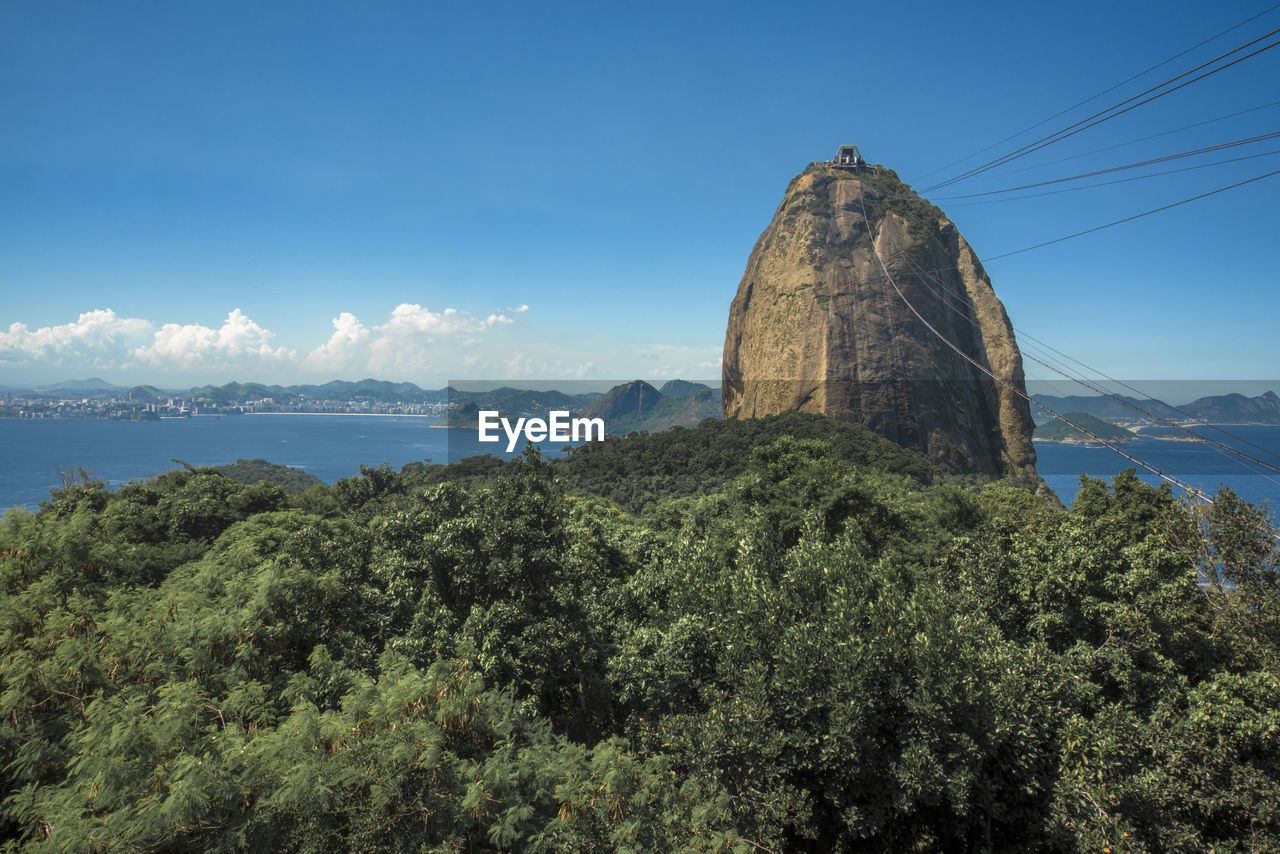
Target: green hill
637, 405
517, 402
1058, 431
294, 481
667, 412
681, 388
142, 393
633, 400
639, 470
1236, 409
466, 415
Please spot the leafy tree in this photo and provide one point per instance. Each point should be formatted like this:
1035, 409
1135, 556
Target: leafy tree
804, 644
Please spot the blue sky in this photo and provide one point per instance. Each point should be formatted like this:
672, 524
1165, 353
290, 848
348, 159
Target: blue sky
427, 191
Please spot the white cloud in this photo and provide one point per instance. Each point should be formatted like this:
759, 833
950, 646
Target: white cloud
238, 342
408, 341
413, 319
98, 338
347, 347
413, 340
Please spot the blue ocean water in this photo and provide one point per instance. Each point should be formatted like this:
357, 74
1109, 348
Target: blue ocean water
330, 447
1195, 463
334, 446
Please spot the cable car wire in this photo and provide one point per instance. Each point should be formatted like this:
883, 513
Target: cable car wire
1019, 392
955, 303
1111, 170
1109, 89
1191, 126
950, 300
1114, 111
1195, 168
1131, 218
1222, 449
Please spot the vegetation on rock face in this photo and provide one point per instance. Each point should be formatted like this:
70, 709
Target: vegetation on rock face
824, 646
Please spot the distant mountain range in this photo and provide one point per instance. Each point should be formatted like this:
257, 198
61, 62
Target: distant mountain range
637, 409
465, 406
233, 393
639, 406
1219, 409
92, 384
1237, 409
625, 408
382, 391
1102, 407
523, 401
681, 388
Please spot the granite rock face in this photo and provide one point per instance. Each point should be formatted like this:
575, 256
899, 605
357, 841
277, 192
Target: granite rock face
817, 324
634, 398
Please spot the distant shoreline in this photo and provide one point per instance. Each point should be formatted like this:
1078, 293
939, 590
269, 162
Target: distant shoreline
1086, 441
1163, 437
357, 414
217, 415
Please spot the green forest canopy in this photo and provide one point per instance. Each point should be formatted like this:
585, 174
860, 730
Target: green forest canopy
785, 644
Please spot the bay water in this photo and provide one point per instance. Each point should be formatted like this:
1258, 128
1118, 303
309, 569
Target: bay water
331, 447
1198, 464
335, 446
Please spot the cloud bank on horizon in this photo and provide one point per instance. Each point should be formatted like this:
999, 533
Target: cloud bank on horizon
414, 343
412, 340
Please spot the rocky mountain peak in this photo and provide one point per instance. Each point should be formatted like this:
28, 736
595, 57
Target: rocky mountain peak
818, 326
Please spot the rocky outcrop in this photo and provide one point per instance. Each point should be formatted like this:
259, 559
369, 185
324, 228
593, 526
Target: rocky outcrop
817, 324
638, 406
629, 399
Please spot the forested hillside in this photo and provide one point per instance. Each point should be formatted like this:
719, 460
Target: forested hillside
640, 470
789, 644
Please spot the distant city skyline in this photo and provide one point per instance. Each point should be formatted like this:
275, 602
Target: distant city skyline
296, 194
1174, 392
